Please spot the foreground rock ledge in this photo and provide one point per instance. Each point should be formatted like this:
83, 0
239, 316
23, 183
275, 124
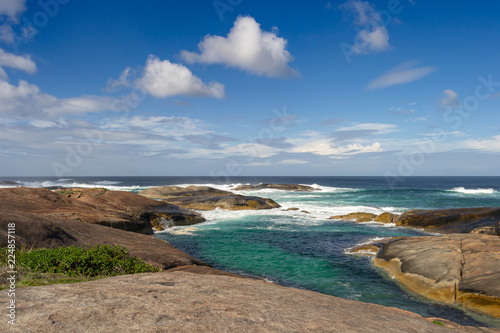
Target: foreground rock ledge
184, 302
453, 269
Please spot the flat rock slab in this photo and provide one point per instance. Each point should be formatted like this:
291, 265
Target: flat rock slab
207, 198
185, 302
454, 268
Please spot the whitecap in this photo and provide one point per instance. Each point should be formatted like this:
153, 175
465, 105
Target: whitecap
464, 190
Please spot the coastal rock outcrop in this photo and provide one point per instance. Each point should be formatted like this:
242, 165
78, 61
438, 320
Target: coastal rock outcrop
184, 302
207, 198
454, 268
483, 220
123, 210
356, 217
284, 187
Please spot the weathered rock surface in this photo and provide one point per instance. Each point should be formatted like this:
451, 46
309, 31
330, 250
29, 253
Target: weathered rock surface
184, 302
356, 217
207, 198
117, 209
454, 268
386, 218
284, 187
462, 220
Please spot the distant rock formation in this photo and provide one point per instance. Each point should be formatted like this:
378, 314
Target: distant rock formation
207, 198
284, 187
366, 217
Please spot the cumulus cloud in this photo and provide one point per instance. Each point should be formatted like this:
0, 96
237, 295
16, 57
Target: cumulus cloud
246, 47
373, 37
401, 74
450, 99
163, 79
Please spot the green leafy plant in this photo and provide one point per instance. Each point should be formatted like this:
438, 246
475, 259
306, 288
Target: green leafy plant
36, 267
437, 322
99, 260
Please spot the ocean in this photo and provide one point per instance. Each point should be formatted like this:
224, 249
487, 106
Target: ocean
306, 249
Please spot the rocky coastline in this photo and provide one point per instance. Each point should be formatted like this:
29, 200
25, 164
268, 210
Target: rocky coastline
190, 295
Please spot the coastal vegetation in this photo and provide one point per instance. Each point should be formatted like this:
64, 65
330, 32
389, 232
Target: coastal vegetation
36, 267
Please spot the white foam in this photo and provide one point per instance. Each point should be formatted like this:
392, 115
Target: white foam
473, 191
108, 184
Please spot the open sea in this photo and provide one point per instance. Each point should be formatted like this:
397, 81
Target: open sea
307, 250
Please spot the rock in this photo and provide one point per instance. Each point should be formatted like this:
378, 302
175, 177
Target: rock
385, 218
292, 208
207, 198
305, 212
284, 187
185, 302
168, 216
117, 209
365, 249
454, 269
461, 220
356, 217
9, 183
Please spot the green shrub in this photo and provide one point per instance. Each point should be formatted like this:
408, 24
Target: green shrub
101, 260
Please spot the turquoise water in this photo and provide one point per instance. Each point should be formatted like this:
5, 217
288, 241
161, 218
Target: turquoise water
308, 250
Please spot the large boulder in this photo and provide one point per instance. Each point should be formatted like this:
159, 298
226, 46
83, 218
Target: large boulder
484, 220
454, 269
184, 302
207, 198
283, 187
117, 209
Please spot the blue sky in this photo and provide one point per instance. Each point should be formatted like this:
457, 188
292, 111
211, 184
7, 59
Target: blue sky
233, 88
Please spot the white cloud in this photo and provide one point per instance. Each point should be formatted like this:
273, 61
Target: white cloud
375, 128
374, 37
165, 79
246, 47
375, 40
175, 127
316, 144
293, 161
26, 99
6, 33
23, 63
491, 145
401, 74
450, 99
123, 80
12, 8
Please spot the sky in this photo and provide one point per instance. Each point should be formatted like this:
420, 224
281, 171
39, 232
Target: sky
249, 88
